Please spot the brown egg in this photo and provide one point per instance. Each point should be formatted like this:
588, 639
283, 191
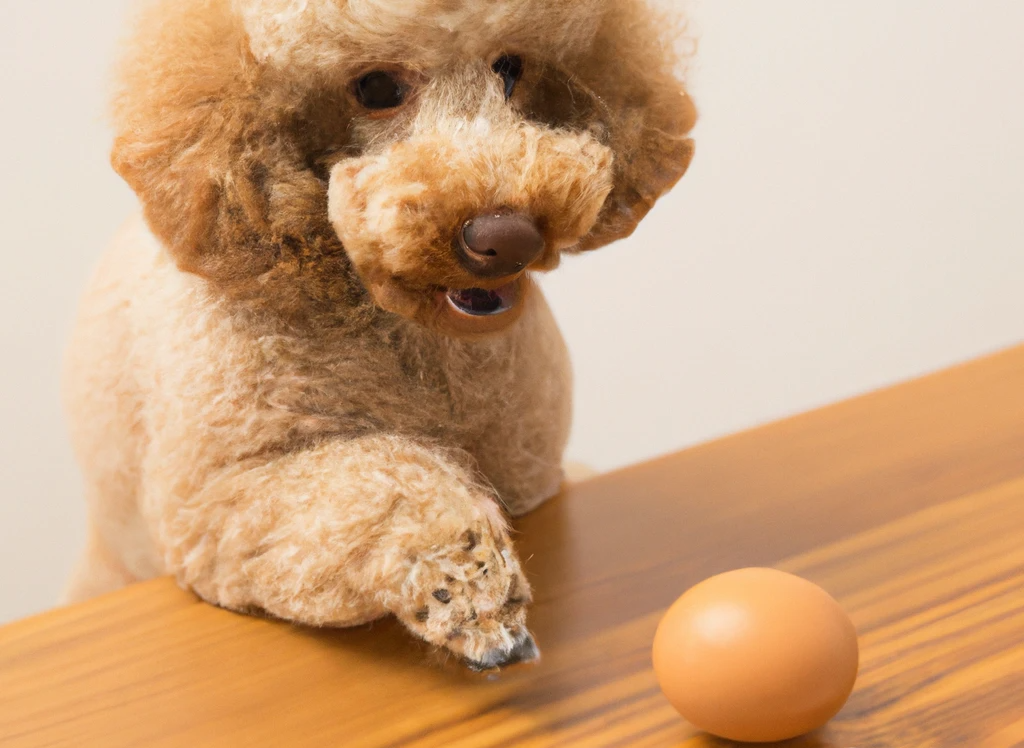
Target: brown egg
756, 655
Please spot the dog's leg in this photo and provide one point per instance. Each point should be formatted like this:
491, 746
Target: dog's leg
347, 531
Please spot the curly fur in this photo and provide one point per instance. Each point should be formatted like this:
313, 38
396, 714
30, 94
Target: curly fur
265, 396
321, 34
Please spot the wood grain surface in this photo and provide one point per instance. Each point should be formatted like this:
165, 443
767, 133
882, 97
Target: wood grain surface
907, 505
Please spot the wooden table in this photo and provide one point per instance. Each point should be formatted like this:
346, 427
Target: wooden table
907, 505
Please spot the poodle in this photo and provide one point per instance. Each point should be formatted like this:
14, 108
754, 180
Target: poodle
314, 378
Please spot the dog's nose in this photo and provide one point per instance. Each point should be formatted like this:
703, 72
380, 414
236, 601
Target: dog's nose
499, 244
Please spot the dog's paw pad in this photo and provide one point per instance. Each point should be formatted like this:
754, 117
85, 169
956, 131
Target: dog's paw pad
470, 596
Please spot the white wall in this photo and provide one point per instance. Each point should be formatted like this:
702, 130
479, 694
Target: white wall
854, 216
59, 203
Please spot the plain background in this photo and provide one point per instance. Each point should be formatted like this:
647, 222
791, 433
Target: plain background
854, 217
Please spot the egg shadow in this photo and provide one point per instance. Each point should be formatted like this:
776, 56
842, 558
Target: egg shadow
814, 739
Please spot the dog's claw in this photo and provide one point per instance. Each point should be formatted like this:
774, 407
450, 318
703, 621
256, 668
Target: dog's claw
524, 649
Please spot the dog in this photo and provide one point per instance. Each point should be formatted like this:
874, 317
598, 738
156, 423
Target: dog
314, 378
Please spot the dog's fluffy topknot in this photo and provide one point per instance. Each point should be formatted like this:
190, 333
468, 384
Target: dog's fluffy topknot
323, 33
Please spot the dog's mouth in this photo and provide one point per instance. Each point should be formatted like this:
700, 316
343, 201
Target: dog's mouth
480, 311
481, 302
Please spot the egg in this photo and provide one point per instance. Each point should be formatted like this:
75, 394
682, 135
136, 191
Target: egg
756, 655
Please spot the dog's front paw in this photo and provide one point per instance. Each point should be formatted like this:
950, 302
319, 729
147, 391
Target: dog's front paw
470, 597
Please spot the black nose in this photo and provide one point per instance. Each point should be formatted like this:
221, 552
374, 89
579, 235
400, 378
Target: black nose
498, 244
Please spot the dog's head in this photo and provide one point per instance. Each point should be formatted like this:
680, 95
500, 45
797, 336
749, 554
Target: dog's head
441, 148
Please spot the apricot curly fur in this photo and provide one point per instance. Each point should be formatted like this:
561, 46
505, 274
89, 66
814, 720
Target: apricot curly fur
263, 394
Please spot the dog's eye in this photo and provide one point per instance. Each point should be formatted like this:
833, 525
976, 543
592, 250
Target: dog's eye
510, 68
379, 90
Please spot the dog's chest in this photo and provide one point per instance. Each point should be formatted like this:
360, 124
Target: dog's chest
405, 381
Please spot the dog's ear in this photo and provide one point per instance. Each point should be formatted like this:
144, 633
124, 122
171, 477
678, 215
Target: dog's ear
645, 113
195, 140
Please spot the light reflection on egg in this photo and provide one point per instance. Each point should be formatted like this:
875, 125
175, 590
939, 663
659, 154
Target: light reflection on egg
756, 655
